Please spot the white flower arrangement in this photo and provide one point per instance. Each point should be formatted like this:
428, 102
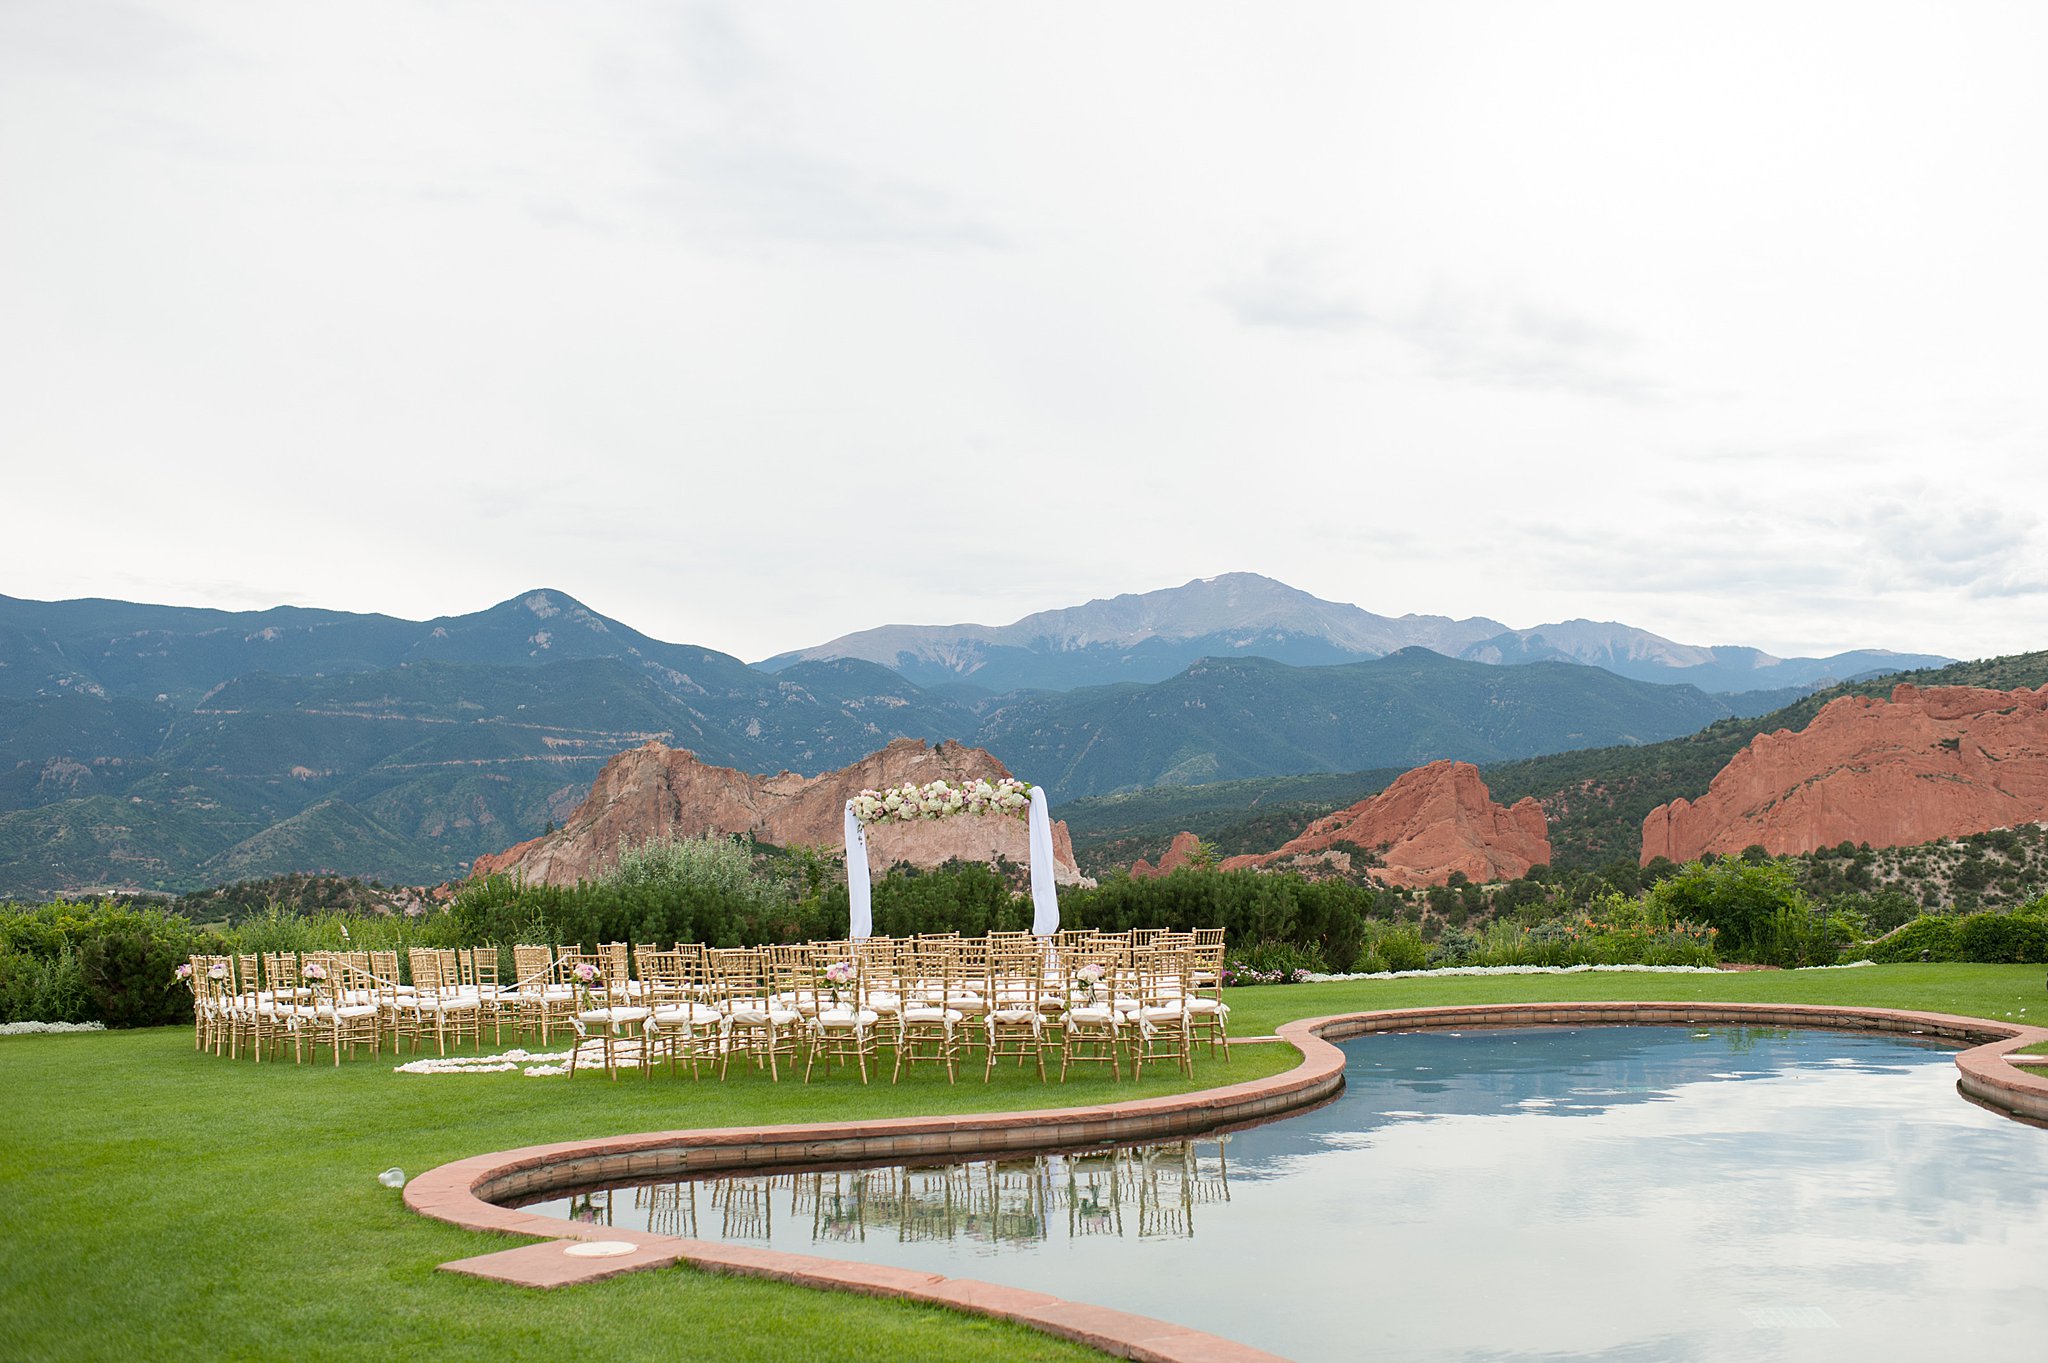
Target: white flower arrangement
940, 799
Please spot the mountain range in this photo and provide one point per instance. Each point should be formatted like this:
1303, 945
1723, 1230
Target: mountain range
165, 747
1154, 635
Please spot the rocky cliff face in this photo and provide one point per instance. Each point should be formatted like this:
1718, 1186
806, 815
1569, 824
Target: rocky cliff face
1184, 848
654, 790
1431, 822
1924, 765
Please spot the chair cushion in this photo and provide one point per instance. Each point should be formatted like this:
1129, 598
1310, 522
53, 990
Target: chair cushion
847, 1017
758, 1014
612, 1015
918, 1012
693, 1013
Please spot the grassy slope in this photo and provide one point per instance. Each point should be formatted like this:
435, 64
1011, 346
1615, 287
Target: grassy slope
163, 1204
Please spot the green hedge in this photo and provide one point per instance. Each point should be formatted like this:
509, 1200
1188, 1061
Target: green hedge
96, 962
2019, 937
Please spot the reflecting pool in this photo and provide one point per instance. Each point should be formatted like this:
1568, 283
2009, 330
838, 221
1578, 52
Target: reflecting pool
1614, 1193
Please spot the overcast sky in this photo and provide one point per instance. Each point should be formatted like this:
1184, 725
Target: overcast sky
754, 324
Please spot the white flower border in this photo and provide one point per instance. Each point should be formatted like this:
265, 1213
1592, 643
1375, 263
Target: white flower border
1311, 977
939, 799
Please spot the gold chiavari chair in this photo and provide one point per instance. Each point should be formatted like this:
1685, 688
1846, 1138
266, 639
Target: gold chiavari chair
1159, 1024
881, 978
1208, 1014
539, 997
478, 971
618, 958
927, 1026
792, 982
682, 1022
756, 1025
437, 1001
259, 1019
1091, 1026
967, 987
605, 1014
339, 1010
842, 1027
1014, 1022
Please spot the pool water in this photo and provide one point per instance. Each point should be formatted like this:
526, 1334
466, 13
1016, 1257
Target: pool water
1613, 1193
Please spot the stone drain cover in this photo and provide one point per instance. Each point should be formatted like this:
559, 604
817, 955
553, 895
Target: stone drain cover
600, 1249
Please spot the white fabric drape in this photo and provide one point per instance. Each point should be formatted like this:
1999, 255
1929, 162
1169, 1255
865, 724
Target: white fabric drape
860, 887
1045, 901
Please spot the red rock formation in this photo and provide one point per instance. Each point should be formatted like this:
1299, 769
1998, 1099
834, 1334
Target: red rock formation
1184, 848
654, 790
1924, 765
1431, 822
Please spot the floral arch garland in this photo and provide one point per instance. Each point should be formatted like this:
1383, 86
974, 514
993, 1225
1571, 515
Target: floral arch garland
907, 803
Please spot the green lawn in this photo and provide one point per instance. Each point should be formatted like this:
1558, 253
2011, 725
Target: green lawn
159, 1203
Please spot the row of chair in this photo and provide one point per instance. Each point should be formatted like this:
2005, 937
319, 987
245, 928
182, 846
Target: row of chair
932, 999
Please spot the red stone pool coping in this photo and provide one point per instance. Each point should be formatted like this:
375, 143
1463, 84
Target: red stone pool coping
460, 1192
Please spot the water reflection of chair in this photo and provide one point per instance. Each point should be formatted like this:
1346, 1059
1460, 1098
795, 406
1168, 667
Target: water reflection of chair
1095, 1194
931, 1202
1209, 1178
838, 1204
671, 1208
1005, 1201
1165, 1199
744, 1207
592, 1209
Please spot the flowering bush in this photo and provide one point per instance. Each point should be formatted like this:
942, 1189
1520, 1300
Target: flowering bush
939, 799
1240, 973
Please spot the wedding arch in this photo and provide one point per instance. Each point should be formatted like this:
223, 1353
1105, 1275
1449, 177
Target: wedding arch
907, 803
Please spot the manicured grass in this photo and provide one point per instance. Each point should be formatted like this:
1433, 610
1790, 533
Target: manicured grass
2010, 993
159, 1203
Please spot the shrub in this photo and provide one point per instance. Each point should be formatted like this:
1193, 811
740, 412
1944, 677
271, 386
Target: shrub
1931, 937
1400, 948
1802, 937
43, 988
2000, 938
1454, 947
1741, 900
1277, 958
96, 962
130, 979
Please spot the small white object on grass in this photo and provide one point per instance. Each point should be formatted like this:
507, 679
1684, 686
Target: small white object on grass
600, 1249
393, 1177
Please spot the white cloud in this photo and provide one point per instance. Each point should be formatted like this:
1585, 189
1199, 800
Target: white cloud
754, 324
